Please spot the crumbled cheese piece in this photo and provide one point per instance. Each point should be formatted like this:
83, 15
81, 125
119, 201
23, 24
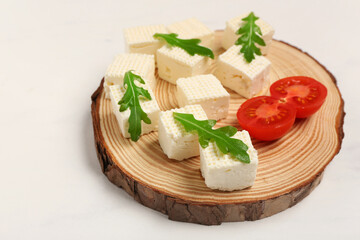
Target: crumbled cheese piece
174, 63
205, 90
140, 39
193, 28
174, 140
247, 79
150, 107
223, 171
142, 64
230, 36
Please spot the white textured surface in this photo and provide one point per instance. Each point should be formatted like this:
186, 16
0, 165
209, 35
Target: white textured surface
247, 79
174, 140
174, 63
205, 90
179, 55
140, 39
142, 64
234, 24
53, 55
223, 171
193, 28
150, 107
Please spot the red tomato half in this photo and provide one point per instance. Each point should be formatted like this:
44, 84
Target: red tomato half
305, 93
266, 118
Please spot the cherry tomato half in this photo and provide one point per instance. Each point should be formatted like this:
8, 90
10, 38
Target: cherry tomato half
266, 118
305, 93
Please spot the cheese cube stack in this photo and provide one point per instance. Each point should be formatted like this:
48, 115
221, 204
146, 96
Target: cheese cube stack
193, 28
174, 63
140, 39
223, 171
230, 36
142, 64
205, 90
174, 140
150, 107
247, 79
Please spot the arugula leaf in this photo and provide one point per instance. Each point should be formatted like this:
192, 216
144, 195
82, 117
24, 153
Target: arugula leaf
250, 34
221, 136
191, 46
131, 100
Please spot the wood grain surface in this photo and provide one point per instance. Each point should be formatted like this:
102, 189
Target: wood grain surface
289, 168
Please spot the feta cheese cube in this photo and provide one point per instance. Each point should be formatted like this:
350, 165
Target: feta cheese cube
142, 64
150, 107
205, 90
230, 36
223, 171
247, 79
140, 39
193, 28
174, 63
174, 140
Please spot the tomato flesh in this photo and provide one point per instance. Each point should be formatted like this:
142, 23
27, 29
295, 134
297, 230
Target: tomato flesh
266, 118
269, 118
304, 93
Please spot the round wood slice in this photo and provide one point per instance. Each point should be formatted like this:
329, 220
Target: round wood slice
289, 168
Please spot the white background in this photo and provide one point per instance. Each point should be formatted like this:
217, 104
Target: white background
53, 55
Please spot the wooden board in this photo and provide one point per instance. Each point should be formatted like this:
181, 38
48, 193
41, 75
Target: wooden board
289, 168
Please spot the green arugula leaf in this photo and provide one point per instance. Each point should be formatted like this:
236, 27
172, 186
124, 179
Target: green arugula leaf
221, 136
131, 100
191, 46
250, 34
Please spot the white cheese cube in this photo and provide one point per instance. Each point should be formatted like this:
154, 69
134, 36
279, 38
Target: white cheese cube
193, 28
223, 171
150, 107
142, 64
205, 90
174, 140
230, 36
174, 63
247, 79
140, 39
